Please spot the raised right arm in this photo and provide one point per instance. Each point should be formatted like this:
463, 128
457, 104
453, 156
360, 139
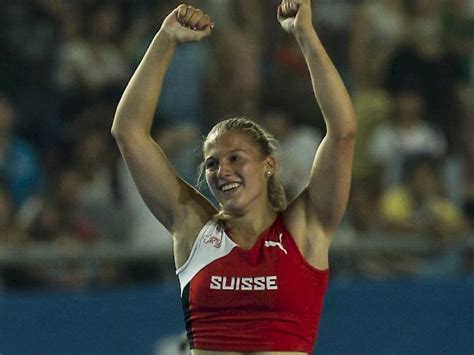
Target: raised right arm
168, 197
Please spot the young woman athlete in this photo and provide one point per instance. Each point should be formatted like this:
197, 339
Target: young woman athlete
254, 271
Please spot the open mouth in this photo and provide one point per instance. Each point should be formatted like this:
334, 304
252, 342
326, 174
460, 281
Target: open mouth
229, 189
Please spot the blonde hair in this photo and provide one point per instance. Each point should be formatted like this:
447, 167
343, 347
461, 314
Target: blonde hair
266, 144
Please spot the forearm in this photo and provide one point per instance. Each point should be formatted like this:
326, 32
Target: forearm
137, 106
328, 87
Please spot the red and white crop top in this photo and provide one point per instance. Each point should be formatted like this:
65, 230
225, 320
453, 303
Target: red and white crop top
267, 298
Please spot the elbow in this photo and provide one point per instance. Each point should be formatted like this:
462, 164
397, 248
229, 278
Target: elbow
349, 130
120, 130
120, 133
342, 124
346, 133
125, 134
116, 132
351, 133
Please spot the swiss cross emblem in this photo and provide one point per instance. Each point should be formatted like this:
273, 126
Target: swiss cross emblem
212, 239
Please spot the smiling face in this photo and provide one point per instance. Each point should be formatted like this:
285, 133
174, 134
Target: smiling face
237, 172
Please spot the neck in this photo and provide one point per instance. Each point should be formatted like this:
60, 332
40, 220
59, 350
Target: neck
245, 229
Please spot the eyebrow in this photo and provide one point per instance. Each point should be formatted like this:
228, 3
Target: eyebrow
230, 152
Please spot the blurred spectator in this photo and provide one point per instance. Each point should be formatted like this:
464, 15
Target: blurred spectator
288, 87
46, 227
20, 168
418, 205
373, 108
424, 63
28, 38
419, 208
184, 81
458, 29
178, 143
297, 146
10, 232
28, 43
235, 80
142, 229
366, 222
333, 19
13, 237
58, 218
407, 134
364, 214
99, 198
460, 172
188, 82
144, 233
93, 65
221, 11
379, 26
58, 222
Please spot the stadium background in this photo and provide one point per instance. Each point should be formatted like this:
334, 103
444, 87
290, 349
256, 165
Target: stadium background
85, 269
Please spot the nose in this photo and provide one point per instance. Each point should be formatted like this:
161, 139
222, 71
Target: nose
224, 170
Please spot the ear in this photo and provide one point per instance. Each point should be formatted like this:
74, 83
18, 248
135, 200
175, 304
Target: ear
270, 164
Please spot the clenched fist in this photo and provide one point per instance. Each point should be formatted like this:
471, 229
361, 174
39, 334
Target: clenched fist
187, 24
295, 15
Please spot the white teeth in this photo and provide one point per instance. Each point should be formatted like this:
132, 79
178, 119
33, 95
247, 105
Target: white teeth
230, 186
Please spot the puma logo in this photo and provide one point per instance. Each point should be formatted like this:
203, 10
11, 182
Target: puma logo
271, 243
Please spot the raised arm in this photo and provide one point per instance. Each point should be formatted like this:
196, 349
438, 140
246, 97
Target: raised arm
325, 198
170, 199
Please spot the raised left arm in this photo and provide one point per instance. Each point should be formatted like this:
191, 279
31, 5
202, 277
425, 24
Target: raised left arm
326, 195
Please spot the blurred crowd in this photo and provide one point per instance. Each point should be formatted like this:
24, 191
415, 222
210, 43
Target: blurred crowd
408, 64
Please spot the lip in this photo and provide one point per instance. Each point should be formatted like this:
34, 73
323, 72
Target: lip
219, 186
231, 191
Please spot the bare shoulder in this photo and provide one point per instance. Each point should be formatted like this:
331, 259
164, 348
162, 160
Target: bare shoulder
307, 232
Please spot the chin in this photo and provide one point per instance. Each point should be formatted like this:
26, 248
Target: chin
232, 209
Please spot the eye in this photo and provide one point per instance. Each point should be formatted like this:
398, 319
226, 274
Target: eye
211, 164
235, 158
